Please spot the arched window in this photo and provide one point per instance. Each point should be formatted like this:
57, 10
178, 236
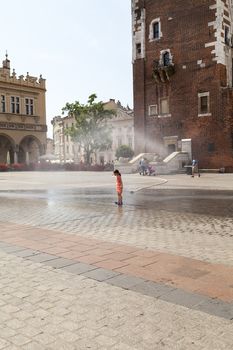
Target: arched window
166, 58
155, 30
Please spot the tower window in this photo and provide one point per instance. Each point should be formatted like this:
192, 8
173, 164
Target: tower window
211, 147
203, 104
153, 110
156, 30
138, 48
164, 106
226, 36
166, 58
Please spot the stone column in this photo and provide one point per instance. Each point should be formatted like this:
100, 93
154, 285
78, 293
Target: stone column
15, 157
27, 158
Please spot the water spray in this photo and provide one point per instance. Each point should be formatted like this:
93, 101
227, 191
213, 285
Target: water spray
145, 188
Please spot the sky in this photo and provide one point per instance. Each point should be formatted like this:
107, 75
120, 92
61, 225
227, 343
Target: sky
79, 46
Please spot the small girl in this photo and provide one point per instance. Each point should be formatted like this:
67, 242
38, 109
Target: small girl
119, 186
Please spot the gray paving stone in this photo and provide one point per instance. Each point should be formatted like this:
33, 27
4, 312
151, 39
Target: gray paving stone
11, 248
180, 297
79, 268
152, 289
217, 308
59, 262
125, 281
42, 257
4, 244
26, 253
100, 274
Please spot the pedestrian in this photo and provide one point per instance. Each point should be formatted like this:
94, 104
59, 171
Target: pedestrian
142, 167
119, 187
195, 168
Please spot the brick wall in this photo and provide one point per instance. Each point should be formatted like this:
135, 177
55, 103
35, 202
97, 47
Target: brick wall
200, 59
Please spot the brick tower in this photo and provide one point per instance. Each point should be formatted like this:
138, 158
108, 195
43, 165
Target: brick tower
182, 70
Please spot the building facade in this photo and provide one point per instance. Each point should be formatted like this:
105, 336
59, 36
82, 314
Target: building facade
22, 116
182, 72
122, 131
49, 146
64, 147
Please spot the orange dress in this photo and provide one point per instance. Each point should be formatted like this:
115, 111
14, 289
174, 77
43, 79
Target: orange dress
119, 184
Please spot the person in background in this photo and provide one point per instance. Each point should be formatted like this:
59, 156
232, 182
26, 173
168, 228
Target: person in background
119, 187
195, 168
142, 167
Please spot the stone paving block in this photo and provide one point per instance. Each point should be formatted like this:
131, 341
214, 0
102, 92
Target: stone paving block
60, 262
180, 297
7, 332
122, 346
30, 331
9, 309
42, 257
125, 281
3, 343
33, 346
19, 340
15, 324
79, 268
105, 341
11, 248
68, 336
4, 316
217, 308
44, 338
152, 289
101, 274
62, 345
4, 245
26, 252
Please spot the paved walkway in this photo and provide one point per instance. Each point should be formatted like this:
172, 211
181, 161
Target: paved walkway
78, 273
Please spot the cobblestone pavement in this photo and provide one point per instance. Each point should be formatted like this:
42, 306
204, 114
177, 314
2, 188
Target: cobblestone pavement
43, 308
55, 295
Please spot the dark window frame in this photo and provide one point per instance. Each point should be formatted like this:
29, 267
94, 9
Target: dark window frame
204, 103
166, 58
204, 106
3, 104
156, 30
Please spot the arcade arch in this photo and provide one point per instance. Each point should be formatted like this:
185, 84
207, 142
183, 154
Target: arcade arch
7, 149
29, 150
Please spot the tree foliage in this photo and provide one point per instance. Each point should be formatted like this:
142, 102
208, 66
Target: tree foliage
91, 130
124, 151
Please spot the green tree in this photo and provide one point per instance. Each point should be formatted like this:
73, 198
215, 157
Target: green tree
124, 151
91, 130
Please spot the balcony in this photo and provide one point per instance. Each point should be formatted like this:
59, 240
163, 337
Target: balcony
163, 72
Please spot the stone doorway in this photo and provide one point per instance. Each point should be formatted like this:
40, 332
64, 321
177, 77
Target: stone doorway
171, 148
171, 144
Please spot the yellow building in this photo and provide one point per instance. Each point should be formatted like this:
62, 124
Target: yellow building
22, 116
